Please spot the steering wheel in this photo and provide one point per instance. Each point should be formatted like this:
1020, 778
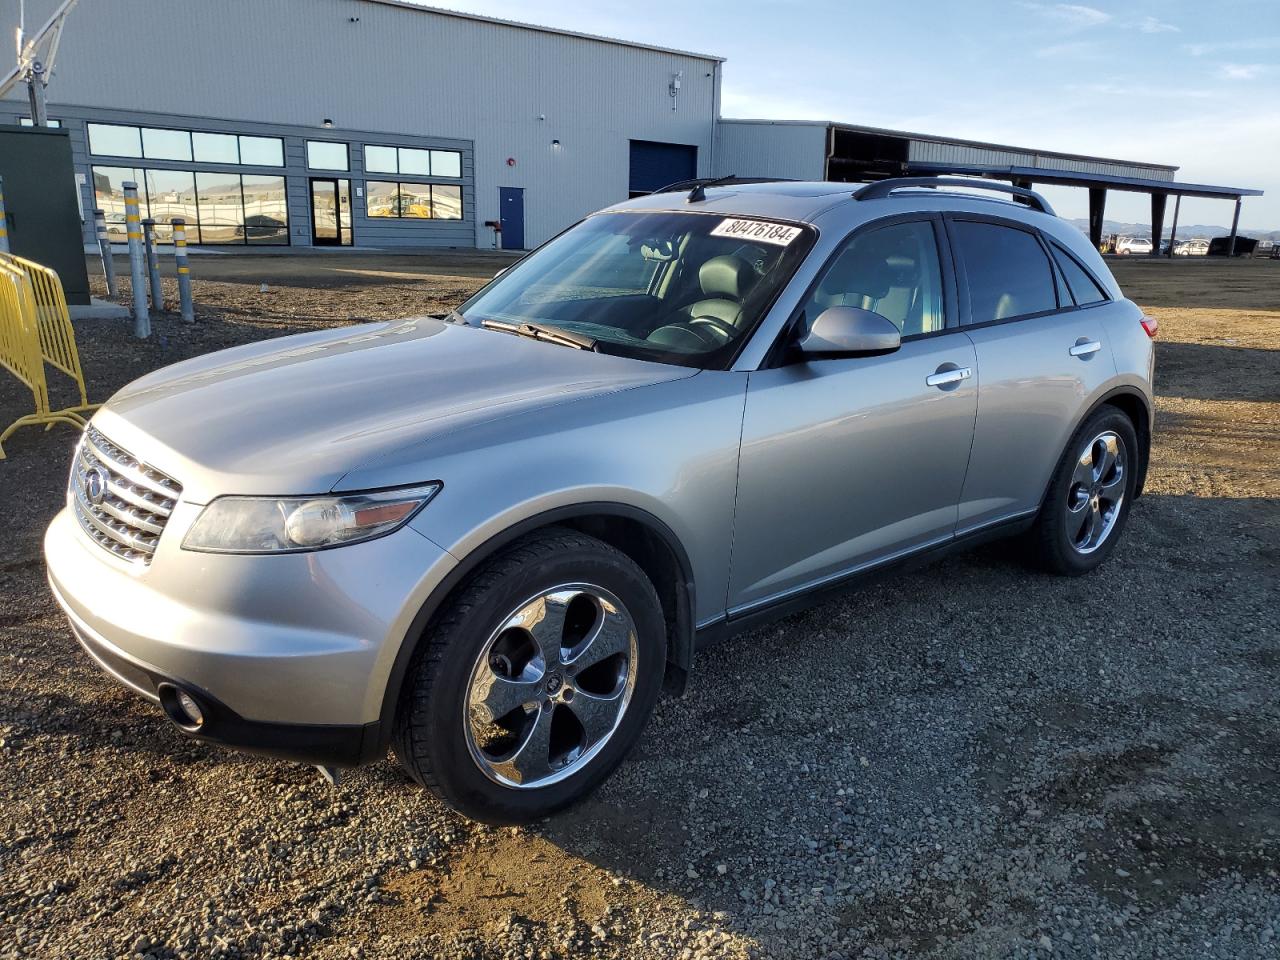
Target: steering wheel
726, 331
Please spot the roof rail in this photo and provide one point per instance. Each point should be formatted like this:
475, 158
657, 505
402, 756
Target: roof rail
697, 187
882, 188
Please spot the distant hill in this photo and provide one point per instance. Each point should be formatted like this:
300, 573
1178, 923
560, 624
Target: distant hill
1185, 231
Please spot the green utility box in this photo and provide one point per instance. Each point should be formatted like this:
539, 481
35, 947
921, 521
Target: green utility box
41, 201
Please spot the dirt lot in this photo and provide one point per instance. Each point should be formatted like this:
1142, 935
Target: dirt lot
973, 760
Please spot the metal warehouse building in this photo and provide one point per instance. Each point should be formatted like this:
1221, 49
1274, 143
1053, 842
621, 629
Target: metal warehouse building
382, 123
369, 122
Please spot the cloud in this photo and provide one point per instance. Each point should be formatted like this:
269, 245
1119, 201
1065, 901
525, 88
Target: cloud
1152, 25
1071, 14
1226, 46
1241, 71
1071, 50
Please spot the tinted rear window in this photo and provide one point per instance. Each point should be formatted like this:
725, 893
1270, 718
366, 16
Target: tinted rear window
1009, 273
1084, 289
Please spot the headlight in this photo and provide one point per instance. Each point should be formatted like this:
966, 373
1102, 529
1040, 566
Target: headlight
287, 524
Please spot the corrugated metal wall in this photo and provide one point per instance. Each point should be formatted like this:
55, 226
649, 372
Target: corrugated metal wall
509, 90
935, 151
756, 148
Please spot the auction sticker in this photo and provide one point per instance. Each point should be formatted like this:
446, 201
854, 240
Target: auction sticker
760, 230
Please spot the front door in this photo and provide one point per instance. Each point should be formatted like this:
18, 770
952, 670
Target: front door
511, 207
850, 462
330, 212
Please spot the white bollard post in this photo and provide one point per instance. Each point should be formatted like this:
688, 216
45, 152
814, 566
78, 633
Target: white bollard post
104, 247
137, 261
153, 264
184, 271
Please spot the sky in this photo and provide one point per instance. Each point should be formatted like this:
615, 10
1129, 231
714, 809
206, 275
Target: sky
1194, 83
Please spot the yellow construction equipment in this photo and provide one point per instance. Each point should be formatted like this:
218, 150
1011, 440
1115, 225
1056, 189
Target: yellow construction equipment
35, 329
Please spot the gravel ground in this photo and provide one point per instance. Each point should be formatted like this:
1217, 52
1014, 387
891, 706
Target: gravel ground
972, 760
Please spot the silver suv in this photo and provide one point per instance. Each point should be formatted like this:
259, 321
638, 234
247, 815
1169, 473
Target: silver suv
488, 540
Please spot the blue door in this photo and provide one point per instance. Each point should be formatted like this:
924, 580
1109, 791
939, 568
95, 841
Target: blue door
511, 208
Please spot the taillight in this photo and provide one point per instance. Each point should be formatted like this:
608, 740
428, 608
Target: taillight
1151, 325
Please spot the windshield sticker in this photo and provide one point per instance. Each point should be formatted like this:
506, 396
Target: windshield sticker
760, 230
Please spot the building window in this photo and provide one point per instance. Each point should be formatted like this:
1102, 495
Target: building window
156, 143
413, 201
28, 122
412, 162
218, 207
215, 147
262, 151
111, 140
325, 155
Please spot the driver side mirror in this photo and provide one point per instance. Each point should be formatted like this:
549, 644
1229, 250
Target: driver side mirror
850, 332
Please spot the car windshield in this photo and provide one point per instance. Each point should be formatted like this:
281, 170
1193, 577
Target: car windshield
682, 288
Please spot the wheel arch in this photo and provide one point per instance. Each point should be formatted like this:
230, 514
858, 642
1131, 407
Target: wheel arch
646, 539
1133, 404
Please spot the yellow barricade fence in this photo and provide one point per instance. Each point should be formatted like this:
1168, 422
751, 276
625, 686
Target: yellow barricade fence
35, 329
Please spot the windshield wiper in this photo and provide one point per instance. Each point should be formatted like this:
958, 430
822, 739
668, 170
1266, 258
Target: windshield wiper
542, 331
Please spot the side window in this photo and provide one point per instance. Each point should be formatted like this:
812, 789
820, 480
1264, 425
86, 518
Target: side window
893, 271
1084, 289
1009, 272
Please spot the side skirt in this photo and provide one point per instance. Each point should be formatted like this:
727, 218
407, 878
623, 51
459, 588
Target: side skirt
734, 625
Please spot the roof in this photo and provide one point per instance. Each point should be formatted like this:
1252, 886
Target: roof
1073, 178
956, 141
520, 25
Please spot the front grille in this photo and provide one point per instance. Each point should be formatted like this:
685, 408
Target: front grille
121, 503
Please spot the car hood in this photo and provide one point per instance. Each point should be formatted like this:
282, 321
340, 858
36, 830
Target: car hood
293, 415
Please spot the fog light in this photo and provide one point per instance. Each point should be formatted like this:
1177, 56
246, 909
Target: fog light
188, 706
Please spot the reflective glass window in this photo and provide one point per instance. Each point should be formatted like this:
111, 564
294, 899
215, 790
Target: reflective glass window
166, 144
416, 163
380, 160
112, 140
415, 200
324, 155
446, 202
1008, 271
172, 193
446, 163
215, 147
221, 207
266, 210
262, 151
108, 196
381, 198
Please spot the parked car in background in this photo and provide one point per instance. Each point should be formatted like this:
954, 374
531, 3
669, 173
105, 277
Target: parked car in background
1126, 246
1197, 247
488, 540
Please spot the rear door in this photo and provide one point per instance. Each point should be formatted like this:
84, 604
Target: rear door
849, 462
1040, 357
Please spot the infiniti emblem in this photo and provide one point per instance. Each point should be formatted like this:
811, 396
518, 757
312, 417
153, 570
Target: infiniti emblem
95, 485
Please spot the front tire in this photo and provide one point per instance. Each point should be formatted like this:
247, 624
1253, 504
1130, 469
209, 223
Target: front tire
1087, 505
534, 680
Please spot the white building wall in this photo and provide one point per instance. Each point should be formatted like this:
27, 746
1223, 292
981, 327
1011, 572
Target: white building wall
766, 148
376, 66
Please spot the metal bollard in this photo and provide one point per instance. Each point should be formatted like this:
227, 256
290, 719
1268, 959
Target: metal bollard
153, 264
184, 271
104, 247
4, 224
137, 268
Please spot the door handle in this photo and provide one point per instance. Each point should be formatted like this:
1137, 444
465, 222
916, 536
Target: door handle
944, 377
1085, 348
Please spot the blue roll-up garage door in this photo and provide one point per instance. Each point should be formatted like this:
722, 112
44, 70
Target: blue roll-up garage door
654, 165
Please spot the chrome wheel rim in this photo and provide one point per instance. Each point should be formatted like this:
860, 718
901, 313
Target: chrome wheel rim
1096, 492
550, 686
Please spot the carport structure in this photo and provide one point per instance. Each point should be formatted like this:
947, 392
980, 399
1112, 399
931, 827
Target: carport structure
1099, 183
843, 152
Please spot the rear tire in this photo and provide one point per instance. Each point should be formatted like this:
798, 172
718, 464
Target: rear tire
1088, 501
534, 680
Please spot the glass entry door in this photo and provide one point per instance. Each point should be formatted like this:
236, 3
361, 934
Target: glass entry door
330, 212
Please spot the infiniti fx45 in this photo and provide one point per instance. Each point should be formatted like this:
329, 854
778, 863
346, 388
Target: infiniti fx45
488, 540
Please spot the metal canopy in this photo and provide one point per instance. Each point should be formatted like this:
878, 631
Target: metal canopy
1107, 181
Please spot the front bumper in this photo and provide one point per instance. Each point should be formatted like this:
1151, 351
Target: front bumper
288, 655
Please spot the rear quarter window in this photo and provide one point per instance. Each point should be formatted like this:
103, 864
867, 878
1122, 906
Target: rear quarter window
1084, 289
1008, 272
